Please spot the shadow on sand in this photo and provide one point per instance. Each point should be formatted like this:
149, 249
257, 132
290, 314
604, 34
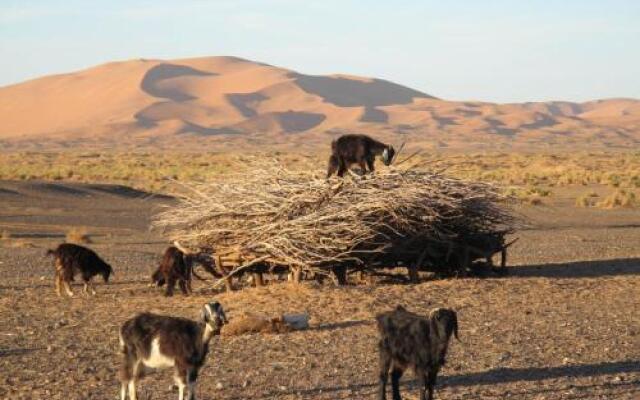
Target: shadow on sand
492, 377
578, 269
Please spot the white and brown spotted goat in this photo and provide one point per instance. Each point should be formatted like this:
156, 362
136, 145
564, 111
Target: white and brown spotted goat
158, 341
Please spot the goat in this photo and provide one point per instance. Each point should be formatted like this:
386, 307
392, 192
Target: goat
357, 149
158, 341
71, 259
174, 267
482, 245
408, 339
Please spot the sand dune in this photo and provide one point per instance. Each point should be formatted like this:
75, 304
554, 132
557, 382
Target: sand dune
226, 101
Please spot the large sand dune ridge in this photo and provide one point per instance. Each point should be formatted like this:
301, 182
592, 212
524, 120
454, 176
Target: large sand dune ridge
228, 100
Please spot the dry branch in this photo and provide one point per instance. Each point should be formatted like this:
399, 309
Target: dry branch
297, 219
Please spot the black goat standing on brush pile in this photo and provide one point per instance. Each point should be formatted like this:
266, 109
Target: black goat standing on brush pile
357, 149
71, 259
158, 341
411, 340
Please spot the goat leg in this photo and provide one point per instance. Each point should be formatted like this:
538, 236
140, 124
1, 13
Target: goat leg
58, 280
431, 383
363, 167
423, 382
333, 166
342, 169
370, 164
184, 286
123, 390
339, 274
385, 363
192, 375
396, 374
67, 288
171, 282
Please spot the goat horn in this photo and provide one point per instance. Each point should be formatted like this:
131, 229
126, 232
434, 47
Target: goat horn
410, 157
398, 152
182, 249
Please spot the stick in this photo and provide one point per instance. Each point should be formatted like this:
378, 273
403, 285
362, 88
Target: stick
238, 269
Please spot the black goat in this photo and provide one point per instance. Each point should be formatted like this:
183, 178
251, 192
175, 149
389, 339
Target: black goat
357, 149
158, 341
411, 340
71, 259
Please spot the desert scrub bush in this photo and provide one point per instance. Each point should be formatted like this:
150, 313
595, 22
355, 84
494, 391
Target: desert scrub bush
587, 199
20, 243
530, 195
78, 235
614, 180
538, 191
619, 198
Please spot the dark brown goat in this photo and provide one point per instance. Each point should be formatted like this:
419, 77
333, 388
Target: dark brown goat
411, 340
178, 266
71, 259
357, 149
173, 268
480, 246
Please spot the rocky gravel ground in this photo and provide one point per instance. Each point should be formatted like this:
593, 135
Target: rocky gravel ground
563, 324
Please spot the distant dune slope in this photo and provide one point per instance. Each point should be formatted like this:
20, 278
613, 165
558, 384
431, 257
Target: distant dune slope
228, 100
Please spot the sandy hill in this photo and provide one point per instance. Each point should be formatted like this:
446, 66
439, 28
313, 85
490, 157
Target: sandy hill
225, 101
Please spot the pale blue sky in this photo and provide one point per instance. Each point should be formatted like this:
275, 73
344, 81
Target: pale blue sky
464, 50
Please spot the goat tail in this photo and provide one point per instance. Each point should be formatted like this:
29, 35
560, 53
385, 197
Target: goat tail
455, 329
51, 252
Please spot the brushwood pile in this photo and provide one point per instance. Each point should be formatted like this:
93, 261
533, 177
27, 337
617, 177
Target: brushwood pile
300, 220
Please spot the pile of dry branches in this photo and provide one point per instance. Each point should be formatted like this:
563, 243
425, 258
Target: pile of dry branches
298, 219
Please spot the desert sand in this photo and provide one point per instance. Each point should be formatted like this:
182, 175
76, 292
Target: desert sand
226, 101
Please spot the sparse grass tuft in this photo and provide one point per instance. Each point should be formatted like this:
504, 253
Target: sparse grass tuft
78, 235
618, 199
587, 199
531, 195
20, 243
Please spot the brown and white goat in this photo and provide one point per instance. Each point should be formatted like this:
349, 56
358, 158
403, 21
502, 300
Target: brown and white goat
158, 341
412, 340
357, 149
71, 259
